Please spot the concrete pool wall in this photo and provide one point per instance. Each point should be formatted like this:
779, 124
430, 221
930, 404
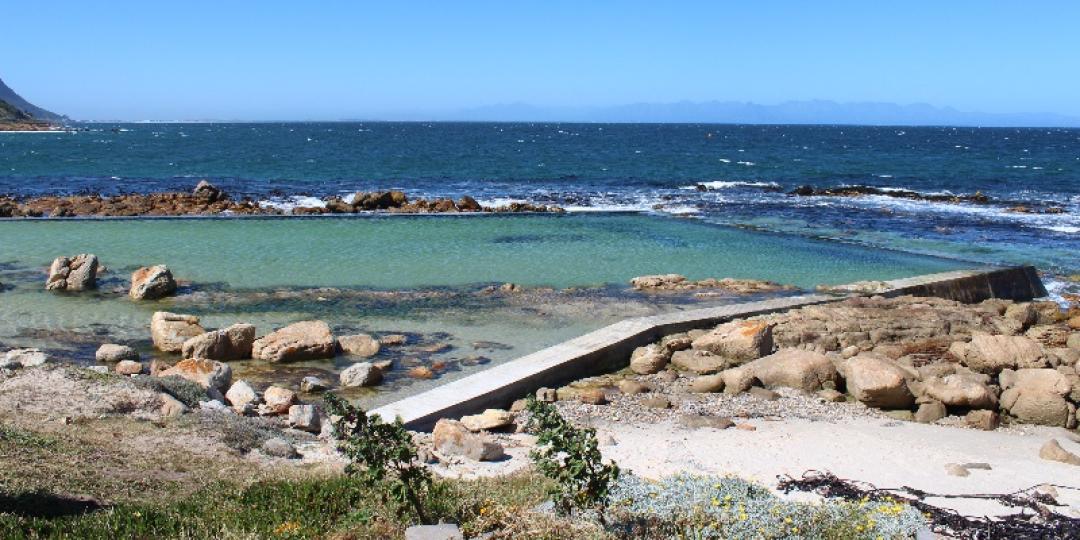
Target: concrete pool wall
608, 349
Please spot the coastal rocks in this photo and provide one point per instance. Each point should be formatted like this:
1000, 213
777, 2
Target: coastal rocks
241, 396
1052, 451
489, 420
151, 283
960, 390
112, 352
990, 354
677, 282
453, 438
361, 345
361, 374
207, 373
983, 419
701, 362
129, 367
649, 359
205, 191
931, 412
1037, 396
393, 340
739, 340
630, 387
277, 400
305, 340
169, 331
305, 418
232, 343
279, 447
795, 368
877, 382
78, 273
171, 407
592, 396
862, 191
312, 384
23, 358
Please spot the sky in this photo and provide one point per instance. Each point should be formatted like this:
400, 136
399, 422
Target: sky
271, 60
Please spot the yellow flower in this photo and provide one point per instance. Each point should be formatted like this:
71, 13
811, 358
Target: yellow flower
742, 517
287, 527
715, 501
787, 520
483, 510
795, 530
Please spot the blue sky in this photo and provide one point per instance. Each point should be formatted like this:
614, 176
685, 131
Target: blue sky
331, 60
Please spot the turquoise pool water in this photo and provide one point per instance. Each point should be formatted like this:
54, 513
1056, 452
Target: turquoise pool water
423, 276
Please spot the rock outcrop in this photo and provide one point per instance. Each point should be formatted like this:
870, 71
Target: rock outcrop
78, 273
151, 283
232, 343
307, 340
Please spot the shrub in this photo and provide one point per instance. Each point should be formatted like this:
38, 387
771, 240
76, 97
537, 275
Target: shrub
382, 455
571, 457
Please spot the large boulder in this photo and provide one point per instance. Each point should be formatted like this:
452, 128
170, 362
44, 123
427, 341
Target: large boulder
960, 390
169, 331
277, 400
877, 382
232, 343
1037, 396
241, 396
1041, 380
649, 359
361, 345
208, 192
78, 273
702, 362
991, 354
490, 419
207, 373
305, 340
23, 358
739, 340
795, 368
453, 438
152, 282
112, 352
361, 374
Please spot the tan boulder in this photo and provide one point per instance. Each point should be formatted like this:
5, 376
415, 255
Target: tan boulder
490, 419
649, 359
360, 374
361, 345
795, 368
171, 407
241, 396
991, 354
961, 391
207, 373
305, 340
152, 282
739, 340
877, 382
453, 438
277, 400
930, 412
701, 362
112, 352
232, 343
1035, 406
737, 380
1052, 451
707, 384
129, 367
1041, 380
983, 419
169, 331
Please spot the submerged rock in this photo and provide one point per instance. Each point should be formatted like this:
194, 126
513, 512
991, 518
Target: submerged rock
361, 374
361, 345
305, 340
169, 331
151, 283
78, 273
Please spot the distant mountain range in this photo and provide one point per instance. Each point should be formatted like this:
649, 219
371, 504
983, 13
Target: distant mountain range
731, 112
15, 102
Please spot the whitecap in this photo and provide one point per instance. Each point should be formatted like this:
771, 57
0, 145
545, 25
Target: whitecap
288, 204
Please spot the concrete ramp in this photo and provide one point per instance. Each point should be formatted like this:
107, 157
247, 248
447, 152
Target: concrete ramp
608, 349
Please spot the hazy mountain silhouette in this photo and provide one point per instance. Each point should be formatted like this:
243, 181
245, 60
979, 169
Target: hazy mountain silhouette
15, 100
792, 112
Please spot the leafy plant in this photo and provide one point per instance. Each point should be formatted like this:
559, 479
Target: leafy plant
382, 455
571, 457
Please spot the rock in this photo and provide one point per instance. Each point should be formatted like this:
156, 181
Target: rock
649, 359
698, 421
171, 407
393, 340
983, 419
489, 420
795, 368
990, 354
664, 281
519, 405
241, 396
208, 192
1052, 451
668, 376
151, 283
361, 345
25, 358
104, 370
706, 384
452, 438
442, 531
1023, 313
158, 365
961, 391
307, 340
632, 387
169, 331
901, 414
207, 373
111, 352
421, 372
1040, 380
739, 340
213, 405
931, 412
232, 343
1034, 406
745, 427
361, 374
955, 469
129, 367
737, 380
547, 395
312, 384
592, 396
468, 204
701, 362
279, 447
830, 395
75, 274
877, 382
763, 394
305, 418
677, 342
656, 402
278, 399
